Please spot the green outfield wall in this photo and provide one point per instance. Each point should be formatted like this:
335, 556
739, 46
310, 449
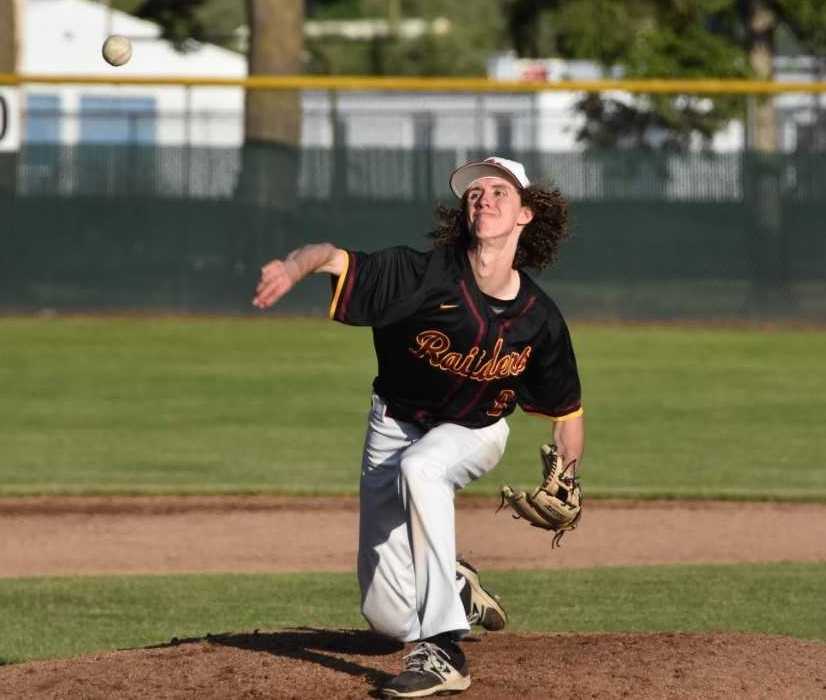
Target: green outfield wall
655, 236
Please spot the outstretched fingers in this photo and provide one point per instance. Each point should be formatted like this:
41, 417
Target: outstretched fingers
275, 282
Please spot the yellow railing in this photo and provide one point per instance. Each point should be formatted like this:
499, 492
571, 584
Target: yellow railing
409, 84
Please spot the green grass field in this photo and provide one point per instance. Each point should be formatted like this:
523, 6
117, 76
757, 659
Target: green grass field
61, 617
277, 405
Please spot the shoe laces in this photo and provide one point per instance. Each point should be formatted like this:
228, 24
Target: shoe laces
428, 657
476, 613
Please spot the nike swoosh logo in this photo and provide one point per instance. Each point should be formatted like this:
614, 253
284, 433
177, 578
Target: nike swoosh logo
444, 307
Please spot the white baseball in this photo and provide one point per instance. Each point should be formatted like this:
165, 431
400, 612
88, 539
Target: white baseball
117, 50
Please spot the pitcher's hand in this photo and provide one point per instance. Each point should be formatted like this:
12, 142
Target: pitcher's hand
277, 278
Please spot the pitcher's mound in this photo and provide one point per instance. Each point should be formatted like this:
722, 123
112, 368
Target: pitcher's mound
332, 664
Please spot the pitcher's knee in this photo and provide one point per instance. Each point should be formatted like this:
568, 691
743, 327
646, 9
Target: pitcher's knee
416, 470
396, 624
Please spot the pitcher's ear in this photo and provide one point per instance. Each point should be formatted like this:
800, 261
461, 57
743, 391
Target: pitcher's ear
525, 216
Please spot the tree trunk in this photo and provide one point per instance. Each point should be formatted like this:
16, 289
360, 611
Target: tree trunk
272, 120
275, 48
9, 37
762, 22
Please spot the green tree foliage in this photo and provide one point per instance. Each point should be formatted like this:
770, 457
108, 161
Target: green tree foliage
654, 39
213, 21
178, 19
477, 29
641, 39
807, 21
334, 9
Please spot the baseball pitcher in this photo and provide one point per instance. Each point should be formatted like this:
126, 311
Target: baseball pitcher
462, 336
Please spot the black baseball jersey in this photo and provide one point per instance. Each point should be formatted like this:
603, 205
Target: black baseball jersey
444, 354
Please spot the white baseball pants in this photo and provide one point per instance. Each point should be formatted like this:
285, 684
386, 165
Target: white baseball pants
407, 532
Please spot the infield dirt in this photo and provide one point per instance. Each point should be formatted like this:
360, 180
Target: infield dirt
64, 536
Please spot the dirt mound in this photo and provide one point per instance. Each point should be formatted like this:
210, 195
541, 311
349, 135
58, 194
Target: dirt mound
309, 663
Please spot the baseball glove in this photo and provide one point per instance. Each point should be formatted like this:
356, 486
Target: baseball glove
556, 505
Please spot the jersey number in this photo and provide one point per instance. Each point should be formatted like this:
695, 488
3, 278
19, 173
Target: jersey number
502, 402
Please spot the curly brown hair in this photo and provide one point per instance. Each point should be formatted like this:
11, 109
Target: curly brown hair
539, 242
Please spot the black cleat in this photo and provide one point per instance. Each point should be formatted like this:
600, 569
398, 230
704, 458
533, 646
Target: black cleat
428, 670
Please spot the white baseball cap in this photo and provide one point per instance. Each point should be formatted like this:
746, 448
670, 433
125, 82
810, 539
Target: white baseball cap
464, 175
